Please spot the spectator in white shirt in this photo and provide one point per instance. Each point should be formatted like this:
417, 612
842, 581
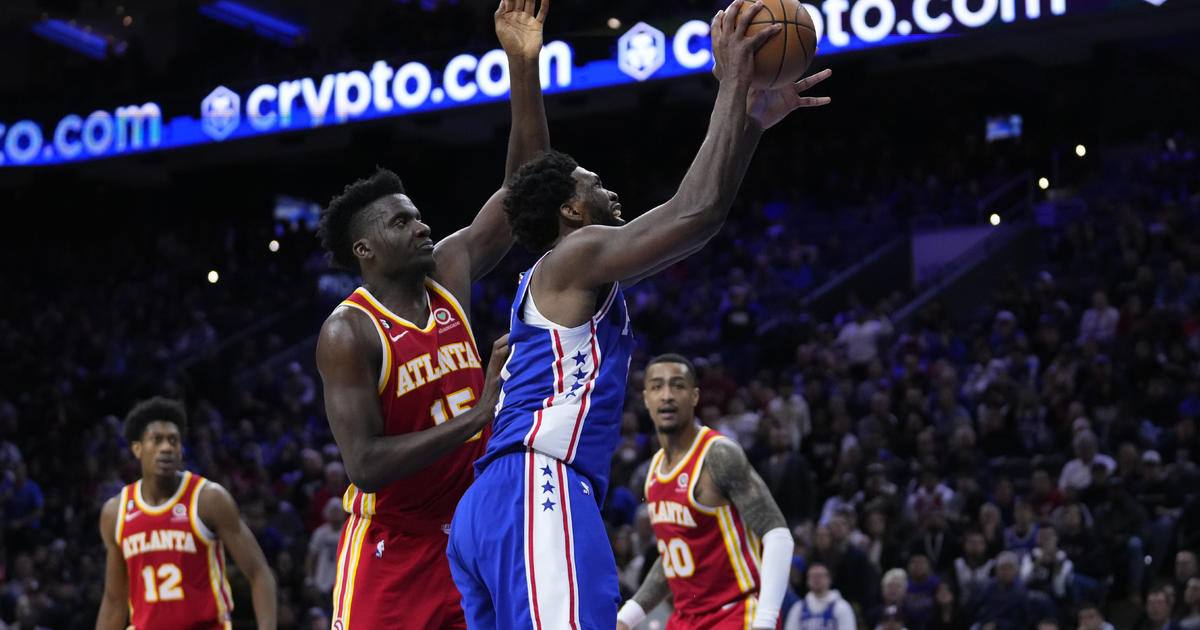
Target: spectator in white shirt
847, 498
792, 411
1077, 474
821, 607
1099, 323
860, 338
321, 564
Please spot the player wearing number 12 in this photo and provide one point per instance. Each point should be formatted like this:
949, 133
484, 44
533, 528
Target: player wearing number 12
166, 536
724, 548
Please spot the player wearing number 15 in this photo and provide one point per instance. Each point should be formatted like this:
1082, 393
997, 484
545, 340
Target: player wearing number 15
710, 511
405, 391
166, 536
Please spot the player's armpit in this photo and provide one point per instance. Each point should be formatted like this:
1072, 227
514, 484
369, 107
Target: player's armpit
217, 509
729, 469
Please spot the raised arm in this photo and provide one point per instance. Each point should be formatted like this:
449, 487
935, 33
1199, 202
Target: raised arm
348, 357
468, 254
114, 606
219, 512
597, 255
729, 469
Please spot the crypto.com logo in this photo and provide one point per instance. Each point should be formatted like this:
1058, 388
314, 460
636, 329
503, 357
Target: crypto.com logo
220, 113
641, 51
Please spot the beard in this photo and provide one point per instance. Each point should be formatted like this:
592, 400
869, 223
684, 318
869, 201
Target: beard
671, 429
603, 215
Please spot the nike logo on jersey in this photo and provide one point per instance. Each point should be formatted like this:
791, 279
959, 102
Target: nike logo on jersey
397, 337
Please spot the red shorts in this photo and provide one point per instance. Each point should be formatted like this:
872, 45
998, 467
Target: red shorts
738, 615
390, 580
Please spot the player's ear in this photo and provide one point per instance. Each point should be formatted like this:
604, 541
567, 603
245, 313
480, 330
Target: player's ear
361, 248
571, 213
136, 447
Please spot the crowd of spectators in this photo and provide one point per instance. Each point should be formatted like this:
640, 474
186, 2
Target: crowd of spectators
923, 467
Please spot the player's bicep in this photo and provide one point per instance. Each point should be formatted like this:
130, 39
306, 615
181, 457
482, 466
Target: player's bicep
351, 387
219, 511
655, 239
729, 469
116, 574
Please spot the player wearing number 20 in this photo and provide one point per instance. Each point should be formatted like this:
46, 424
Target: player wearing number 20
724, 548
166, 536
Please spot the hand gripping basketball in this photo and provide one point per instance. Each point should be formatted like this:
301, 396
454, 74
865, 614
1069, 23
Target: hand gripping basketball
733, 49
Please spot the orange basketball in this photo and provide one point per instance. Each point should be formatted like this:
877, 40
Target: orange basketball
785, 57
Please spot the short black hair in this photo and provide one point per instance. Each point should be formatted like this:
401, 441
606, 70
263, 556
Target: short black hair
157, 409
535, 194
672, 357
338, 227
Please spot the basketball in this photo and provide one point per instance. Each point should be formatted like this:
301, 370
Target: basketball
785, 57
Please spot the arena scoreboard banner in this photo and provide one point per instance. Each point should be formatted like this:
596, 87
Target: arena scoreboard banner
384, 89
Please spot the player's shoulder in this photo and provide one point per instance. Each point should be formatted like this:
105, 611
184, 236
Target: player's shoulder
111, 507
210, 489
346, 326
722, 454
213, 500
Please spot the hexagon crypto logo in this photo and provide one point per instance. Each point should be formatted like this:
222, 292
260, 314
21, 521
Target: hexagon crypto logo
641, 51
220, 113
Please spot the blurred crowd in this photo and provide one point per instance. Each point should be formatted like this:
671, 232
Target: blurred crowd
1034, 463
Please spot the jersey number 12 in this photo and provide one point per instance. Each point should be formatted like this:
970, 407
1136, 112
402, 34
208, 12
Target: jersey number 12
167, 589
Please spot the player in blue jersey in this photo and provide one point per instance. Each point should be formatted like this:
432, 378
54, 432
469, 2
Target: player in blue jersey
527, 545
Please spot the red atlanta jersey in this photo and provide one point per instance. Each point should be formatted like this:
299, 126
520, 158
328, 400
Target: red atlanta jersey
428, 375
176, 564
709, 556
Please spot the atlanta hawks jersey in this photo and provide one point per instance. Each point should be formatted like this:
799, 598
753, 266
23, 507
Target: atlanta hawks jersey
564, 388
428, 375
709, 556
176, 564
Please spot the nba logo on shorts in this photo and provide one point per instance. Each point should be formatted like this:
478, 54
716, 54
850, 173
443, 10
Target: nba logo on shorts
641, 51
221, 113
379, 549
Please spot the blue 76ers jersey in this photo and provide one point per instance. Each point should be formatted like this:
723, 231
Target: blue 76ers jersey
564, 389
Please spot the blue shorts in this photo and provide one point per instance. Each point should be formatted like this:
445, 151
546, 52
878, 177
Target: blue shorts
527, 554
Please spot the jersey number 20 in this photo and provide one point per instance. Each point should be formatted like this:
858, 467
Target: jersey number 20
167, 589
459, 403
676, 558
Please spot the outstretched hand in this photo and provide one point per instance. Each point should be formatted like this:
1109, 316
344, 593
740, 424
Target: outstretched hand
768, 107
520, 28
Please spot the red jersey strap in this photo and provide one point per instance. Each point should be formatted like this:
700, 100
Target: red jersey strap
686, 471
386, 322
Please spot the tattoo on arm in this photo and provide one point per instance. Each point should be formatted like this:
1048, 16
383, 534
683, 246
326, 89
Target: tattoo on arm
731, 471
655, 589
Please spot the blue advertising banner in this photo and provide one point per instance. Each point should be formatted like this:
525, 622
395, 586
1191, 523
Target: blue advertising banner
642, 53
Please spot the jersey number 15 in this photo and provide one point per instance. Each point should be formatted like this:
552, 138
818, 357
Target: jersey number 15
459, 403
